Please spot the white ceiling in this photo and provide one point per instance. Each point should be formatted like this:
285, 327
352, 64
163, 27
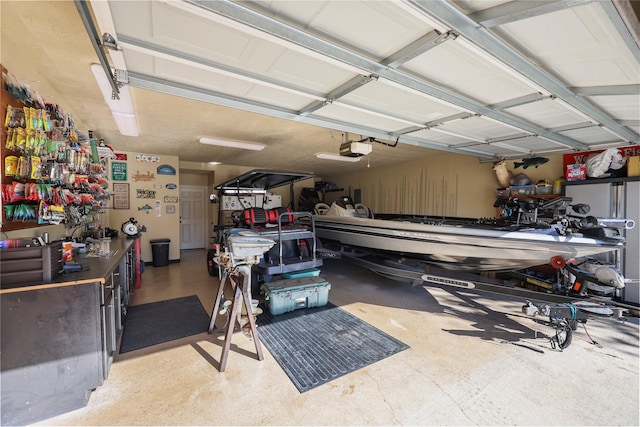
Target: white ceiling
492, 79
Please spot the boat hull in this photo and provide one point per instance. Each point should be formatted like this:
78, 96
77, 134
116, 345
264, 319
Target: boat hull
459, 247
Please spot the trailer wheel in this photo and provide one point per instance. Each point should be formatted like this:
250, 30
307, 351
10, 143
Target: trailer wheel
212, 267
563, 336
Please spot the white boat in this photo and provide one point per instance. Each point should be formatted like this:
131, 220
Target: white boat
471, 244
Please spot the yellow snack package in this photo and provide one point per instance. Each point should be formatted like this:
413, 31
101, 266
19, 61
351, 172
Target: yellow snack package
10, 165
7, 117
35, 167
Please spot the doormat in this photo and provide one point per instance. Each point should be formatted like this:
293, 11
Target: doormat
317, 345
163, 321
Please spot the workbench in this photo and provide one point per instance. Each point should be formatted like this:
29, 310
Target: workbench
58, 339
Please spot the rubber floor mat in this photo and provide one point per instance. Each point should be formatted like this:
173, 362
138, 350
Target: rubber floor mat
163, 321
317, 345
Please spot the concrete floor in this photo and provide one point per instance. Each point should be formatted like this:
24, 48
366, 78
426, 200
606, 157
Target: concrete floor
474, 359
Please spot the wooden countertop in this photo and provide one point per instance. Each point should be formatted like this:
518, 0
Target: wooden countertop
95, 269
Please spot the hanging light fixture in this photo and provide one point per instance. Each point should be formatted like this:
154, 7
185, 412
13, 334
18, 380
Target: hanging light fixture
330, 156
231, 144
122, 109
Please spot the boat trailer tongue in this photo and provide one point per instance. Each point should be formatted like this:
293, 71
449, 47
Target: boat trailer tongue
565, 317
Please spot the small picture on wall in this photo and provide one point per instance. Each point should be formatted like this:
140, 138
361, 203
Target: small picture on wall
120, 196
166, 170
170, 209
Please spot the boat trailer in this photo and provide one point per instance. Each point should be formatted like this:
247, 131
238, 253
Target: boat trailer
565, 307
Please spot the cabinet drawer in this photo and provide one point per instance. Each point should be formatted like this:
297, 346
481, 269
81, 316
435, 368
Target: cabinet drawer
30, 266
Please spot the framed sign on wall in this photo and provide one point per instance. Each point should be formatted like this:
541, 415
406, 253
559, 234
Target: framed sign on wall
120, 195
118, 171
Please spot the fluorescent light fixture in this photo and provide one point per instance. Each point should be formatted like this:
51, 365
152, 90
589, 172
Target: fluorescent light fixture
122, 109
214, 163
338, 157
231, 144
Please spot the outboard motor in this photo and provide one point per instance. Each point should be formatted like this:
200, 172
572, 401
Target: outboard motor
343, 206
345, 202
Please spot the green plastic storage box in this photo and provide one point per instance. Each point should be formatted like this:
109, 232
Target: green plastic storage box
301, 273
287, 295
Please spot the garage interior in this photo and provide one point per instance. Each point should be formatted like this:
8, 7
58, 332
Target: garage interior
435, 93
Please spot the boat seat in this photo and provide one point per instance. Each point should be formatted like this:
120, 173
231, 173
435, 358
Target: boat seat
265, 221
321, 208
362, 211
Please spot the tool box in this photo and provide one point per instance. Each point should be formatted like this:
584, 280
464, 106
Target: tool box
282, 296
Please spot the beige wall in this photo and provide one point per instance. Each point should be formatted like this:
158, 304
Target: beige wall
159, 223
444, 185
196, 179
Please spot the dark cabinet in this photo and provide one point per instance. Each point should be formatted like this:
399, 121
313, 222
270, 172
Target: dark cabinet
114, 303
59, 339
51, 351
108, 326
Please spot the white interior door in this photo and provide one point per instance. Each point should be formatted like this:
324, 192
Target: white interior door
193, 233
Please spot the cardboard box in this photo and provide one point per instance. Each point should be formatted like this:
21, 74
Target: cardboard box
576, 172
633, 166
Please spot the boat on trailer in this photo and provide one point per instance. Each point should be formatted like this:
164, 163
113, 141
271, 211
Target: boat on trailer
543, 232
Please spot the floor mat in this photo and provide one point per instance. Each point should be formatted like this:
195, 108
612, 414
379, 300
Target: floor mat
317, 345
162, 321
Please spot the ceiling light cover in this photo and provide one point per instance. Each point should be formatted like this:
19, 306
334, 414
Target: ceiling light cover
231, 144
330, 156
122, 109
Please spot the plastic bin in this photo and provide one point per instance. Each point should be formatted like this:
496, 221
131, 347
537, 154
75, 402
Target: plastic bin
160, 252
301, 273
283, 296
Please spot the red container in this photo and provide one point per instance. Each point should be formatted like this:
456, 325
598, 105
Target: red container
576, 172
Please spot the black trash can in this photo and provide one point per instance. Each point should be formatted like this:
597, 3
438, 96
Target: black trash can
160, 252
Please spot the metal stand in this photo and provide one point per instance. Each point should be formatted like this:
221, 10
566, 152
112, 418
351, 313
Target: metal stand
240, 279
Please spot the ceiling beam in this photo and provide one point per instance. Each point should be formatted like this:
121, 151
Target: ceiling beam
574, 126
606, 90
489, 43
626, 22
513, 11
452, 118
241, 14
521, 100
96, 42
199, 94
417, 47
337, 93
162, 52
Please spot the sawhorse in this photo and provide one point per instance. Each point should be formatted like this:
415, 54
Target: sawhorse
240, 280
